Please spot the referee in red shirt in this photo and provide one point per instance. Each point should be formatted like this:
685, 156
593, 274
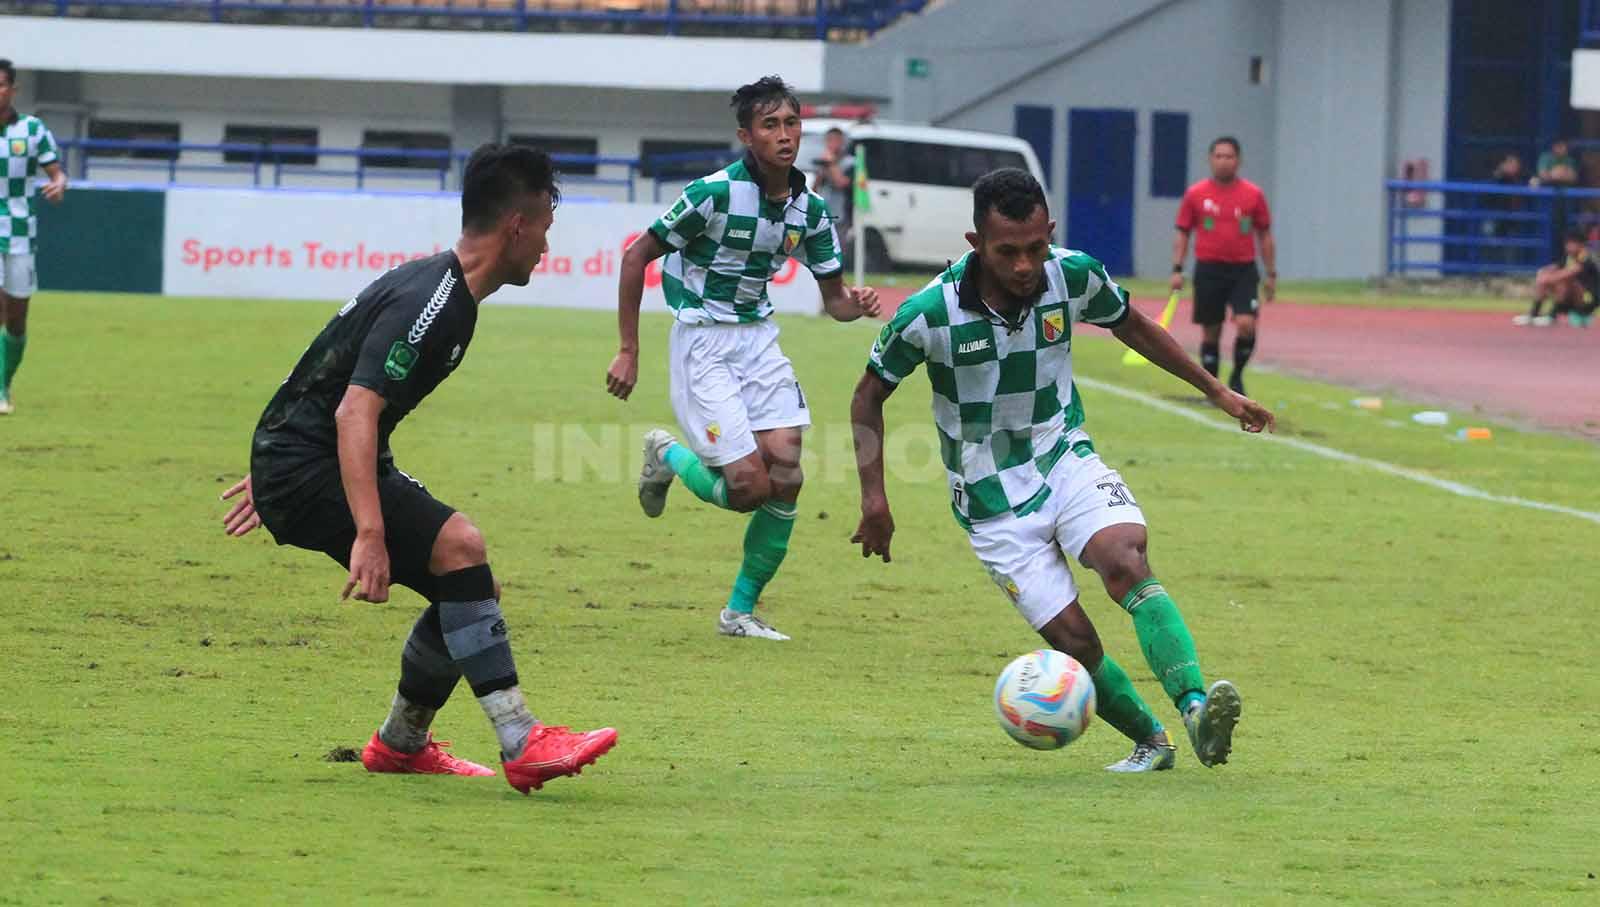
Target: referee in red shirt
1229, 212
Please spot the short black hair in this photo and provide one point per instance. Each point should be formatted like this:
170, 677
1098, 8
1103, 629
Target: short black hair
1011, 191
832, 130
1225, 140
1577, 236
495, 179
9, 70
762, 94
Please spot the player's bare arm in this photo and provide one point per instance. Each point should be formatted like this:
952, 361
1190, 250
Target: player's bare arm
876, 529
1149, 340
1269, 257
624, 371
357, 423
242, 517
844, 303
56, 189
1180, 251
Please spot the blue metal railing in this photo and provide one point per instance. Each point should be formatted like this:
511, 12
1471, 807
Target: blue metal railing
267, 167
1481, 228
816, 17
275, 166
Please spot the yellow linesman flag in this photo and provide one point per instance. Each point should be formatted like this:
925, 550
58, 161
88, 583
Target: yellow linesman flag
1131, 357
863, 200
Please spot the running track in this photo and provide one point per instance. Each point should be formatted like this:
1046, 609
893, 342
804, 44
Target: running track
1467, 361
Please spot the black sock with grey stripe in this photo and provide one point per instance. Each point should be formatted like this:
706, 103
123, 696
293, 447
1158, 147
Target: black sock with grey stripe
1210, 357
1242, 348
475, 635
427, 676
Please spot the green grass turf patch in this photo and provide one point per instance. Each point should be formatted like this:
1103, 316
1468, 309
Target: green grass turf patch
1417, 668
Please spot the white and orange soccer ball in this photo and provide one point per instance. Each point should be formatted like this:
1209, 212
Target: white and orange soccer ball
1044, 699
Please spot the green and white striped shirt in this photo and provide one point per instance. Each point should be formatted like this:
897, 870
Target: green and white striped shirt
1004, 403
28, 146
728, 240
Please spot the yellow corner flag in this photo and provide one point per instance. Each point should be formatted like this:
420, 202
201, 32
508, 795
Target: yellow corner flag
1131, 357
863, 199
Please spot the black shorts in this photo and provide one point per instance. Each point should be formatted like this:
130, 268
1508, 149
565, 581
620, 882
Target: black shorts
1219, 286
303, 504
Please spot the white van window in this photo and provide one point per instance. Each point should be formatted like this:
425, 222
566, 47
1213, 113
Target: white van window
934, 164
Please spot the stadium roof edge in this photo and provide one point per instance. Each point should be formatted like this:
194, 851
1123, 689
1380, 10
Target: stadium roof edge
393, 55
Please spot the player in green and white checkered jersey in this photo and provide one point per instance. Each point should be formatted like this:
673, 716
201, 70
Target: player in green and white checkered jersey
733, 390
995, 335
27, 149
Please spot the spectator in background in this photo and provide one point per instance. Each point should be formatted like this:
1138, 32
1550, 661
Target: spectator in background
1557, 170
1557, 167
1572, 283
1509, 171
835, 171
1511, 174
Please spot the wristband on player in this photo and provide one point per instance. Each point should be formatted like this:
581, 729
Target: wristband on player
1177, 268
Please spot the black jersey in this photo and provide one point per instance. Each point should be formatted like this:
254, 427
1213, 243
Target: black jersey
1588, 274
400, 337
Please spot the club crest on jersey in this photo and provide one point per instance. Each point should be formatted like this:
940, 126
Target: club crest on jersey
19, 147
882, 343
402, 357
713, 432
791, 238
1053, 325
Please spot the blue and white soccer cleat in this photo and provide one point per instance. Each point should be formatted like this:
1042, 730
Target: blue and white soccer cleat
1146, 757
656, 476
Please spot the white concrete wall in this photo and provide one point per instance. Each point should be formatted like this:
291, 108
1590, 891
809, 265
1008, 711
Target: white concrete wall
341, 111
1420, 96
620, 120
1333, 142
1135, 69
1351, 88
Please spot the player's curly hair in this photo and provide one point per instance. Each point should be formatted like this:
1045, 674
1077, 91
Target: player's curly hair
496, 178
1011, 191
9, 70
760, 96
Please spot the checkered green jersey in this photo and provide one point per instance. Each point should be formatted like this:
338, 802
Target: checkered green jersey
728, 240
29, 146
1004, 402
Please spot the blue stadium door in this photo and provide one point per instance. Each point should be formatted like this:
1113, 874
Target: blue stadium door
1100, 149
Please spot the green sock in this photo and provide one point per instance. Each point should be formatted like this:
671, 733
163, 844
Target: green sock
1167, 645
11, 347
1120, 705
765, 544
706, 483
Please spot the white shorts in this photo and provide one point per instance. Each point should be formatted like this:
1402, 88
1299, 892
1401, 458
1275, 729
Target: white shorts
1026, 556
17, 276
730, 381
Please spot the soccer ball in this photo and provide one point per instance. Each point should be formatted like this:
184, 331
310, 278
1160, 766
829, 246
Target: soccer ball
1044, 699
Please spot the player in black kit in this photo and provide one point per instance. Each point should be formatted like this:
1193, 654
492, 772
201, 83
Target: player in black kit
322, 476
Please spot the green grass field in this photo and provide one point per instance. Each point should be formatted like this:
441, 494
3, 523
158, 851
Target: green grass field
1418, 672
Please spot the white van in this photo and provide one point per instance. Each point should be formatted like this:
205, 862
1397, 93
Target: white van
920, 179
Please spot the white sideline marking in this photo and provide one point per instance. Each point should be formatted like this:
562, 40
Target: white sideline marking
1456, 488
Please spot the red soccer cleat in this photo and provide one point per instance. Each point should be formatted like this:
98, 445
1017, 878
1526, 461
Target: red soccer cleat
555, 752
430, 760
